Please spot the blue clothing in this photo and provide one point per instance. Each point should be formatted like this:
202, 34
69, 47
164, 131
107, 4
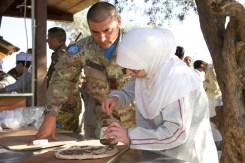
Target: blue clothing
108, 52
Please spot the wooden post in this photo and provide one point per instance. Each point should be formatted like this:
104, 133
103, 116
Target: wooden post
40, 51
4, 5
0, 20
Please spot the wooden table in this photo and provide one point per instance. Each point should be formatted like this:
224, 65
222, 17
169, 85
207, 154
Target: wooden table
47, 155
17, 139
50, 158
143, 156
21, 136
10, 139
9, 103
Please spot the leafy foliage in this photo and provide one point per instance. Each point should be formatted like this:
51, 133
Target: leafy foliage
136, 13
79, 25
156, 11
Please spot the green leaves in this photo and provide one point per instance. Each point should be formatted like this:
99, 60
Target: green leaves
157, 12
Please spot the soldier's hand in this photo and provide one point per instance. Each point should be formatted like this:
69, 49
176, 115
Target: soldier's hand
47, 129
109, 104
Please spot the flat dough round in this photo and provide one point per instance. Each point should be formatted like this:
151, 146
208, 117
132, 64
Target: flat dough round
86, 152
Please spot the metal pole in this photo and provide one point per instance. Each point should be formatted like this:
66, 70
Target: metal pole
33, 24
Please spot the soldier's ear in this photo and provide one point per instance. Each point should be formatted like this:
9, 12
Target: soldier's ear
119, 20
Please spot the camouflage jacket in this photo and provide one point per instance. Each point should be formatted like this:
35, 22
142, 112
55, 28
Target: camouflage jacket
102, 74
63, 83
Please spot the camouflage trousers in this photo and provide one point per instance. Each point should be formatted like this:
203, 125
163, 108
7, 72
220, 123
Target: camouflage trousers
126, 116
68, 117
89, 117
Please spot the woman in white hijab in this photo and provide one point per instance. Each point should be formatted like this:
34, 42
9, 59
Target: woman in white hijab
172, 114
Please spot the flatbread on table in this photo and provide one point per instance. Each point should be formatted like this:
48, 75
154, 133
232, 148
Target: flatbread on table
86, 152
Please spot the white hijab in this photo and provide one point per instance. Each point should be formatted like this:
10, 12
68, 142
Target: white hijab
168, 78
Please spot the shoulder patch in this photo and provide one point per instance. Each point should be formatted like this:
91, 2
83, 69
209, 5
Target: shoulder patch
73, 49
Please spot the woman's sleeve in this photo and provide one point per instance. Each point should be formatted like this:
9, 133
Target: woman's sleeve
171, 128
126, 95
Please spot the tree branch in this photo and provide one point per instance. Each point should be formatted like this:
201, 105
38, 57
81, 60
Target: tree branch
232, 8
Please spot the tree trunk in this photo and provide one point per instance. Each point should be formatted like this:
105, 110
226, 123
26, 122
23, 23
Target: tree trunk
227, 48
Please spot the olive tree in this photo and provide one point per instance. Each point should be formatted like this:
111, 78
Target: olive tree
223, 26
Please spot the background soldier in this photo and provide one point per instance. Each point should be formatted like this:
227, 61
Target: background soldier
63, 96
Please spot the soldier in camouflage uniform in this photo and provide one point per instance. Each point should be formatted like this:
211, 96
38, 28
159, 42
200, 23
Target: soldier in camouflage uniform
63, 96
102, 73
67, 114
96, 54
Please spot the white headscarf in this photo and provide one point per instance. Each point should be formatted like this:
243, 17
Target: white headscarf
168, 78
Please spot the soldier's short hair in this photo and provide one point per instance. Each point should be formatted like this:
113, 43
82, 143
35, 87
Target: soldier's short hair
101, 11
58, 33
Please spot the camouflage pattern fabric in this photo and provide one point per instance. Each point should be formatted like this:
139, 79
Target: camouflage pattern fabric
68, 116
63, 96
126, 116
102, 75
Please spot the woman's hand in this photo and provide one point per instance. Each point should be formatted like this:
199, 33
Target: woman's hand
119, 133
109, 104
